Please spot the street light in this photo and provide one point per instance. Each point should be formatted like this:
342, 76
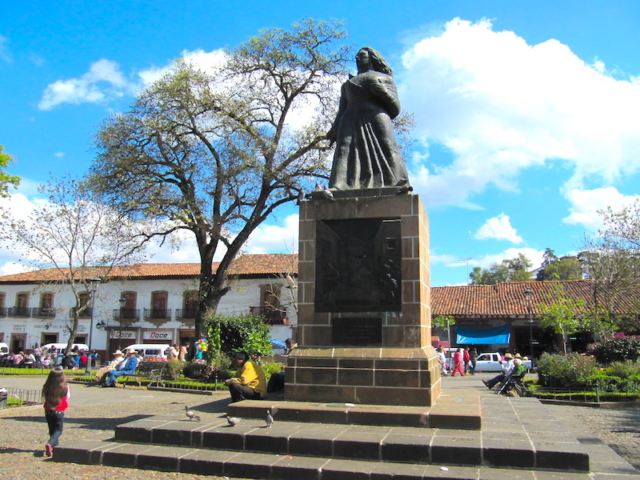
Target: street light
93, 286
528, 293
123, 302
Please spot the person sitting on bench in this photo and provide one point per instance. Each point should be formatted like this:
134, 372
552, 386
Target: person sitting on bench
126, 367
507, 368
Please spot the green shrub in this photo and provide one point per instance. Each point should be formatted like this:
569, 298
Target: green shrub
219, 367
616, 349
233, 334
566, 371
174, 368
194, 369
624, 369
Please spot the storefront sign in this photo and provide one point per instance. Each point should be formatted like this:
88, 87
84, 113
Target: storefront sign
156, 335
125, 335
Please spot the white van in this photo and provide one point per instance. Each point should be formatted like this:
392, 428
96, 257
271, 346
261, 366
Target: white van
154, 350
4, 349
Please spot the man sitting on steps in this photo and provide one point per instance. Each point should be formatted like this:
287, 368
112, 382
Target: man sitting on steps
250, 382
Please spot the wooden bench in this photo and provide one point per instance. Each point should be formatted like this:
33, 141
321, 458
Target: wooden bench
152, 371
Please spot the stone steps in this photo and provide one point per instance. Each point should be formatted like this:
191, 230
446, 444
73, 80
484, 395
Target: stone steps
517, 440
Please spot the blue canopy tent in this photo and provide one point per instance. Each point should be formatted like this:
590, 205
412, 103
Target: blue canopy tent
483, 335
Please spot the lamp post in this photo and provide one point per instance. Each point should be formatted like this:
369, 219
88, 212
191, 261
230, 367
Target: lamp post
123, 302
93, 286
528, 293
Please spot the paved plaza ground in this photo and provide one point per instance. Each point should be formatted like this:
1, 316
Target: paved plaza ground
94, 411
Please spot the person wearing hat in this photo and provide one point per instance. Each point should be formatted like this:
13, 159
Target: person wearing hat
126, 367
507, 368
118, 356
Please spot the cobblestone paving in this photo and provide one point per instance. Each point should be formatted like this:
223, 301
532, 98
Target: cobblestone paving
23, 435
23, 432
619, 428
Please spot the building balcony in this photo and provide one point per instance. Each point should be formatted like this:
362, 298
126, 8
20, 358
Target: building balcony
185, 313
85, 313
272, 316
157, 314
46, 312
19, 312
3, 312
126, 314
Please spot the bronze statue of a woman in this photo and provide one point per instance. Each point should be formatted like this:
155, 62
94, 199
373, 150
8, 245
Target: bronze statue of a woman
367, 154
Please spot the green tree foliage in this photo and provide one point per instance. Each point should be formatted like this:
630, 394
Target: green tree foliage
228, 334
612, 260
216, 152
5, 178
509, 270
562, 315
70, 233
566, 268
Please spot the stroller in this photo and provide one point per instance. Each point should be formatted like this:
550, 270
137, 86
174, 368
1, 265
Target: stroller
513, 387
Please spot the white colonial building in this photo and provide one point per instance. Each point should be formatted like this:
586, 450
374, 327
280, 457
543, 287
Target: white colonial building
143, 303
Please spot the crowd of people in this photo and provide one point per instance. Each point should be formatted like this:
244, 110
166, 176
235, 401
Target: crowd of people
49, 358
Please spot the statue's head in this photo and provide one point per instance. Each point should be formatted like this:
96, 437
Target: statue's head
378, 63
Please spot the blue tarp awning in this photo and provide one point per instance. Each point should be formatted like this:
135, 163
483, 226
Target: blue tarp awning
483, 335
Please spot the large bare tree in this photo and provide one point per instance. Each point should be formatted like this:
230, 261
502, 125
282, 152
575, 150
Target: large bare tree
216, 151
74, 237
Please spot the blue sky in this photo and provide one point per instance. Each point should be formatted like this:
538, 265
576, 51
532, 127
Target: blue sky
528, 113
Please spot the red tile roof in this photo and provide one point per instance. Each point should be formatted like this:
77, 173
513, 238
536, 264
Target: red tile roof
259, 265
508, 299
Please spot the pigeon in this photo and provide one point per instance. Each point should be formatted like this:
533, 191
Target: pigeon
326, 193
190, 414
233, 421
269, 419
301, 197
318, 188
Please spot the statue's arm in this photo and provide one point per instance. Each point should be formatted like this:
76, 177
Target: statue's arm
385, 91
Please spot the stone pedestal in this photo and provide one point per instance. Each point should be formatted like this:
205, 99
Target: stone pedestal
364, 316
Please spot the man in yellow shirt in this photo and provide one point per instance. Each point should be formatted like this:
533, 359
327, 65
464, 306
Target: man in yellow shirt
250, 382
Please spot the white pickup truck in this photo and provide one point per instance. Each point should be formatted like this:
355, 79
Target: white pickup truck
490, 362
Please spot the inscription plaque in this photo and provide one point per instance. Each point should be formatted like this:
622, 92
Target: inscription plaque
357, 332
358, 265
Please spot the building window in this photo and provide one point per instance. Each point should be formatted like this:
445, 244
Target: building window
189, 305
3, 308
46, 305
22, 305
130, 312
159, 309
270, 305
84, 299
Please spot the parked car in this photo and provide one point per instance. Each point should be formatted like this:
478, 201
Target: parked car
492, 362
61, 349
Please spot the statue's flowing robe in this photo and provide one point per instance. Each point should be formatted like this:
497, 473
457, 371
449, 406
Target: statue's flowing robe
367, 154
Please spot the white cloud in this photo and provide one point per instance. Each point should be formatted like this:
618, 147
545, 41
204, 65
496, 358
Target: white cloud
59, 154
270, 238
584, 205
498, 228
103, 82
500, 105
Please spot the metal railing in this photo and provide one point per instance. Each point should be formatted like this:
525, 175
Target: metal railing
19, 312
25, 397
187, 313
126, 314
157, 314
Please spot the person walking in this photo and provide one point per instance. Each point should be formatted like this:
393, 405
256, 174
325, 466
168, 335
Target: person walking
467, 360
56, 394
458, 362
473, 357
